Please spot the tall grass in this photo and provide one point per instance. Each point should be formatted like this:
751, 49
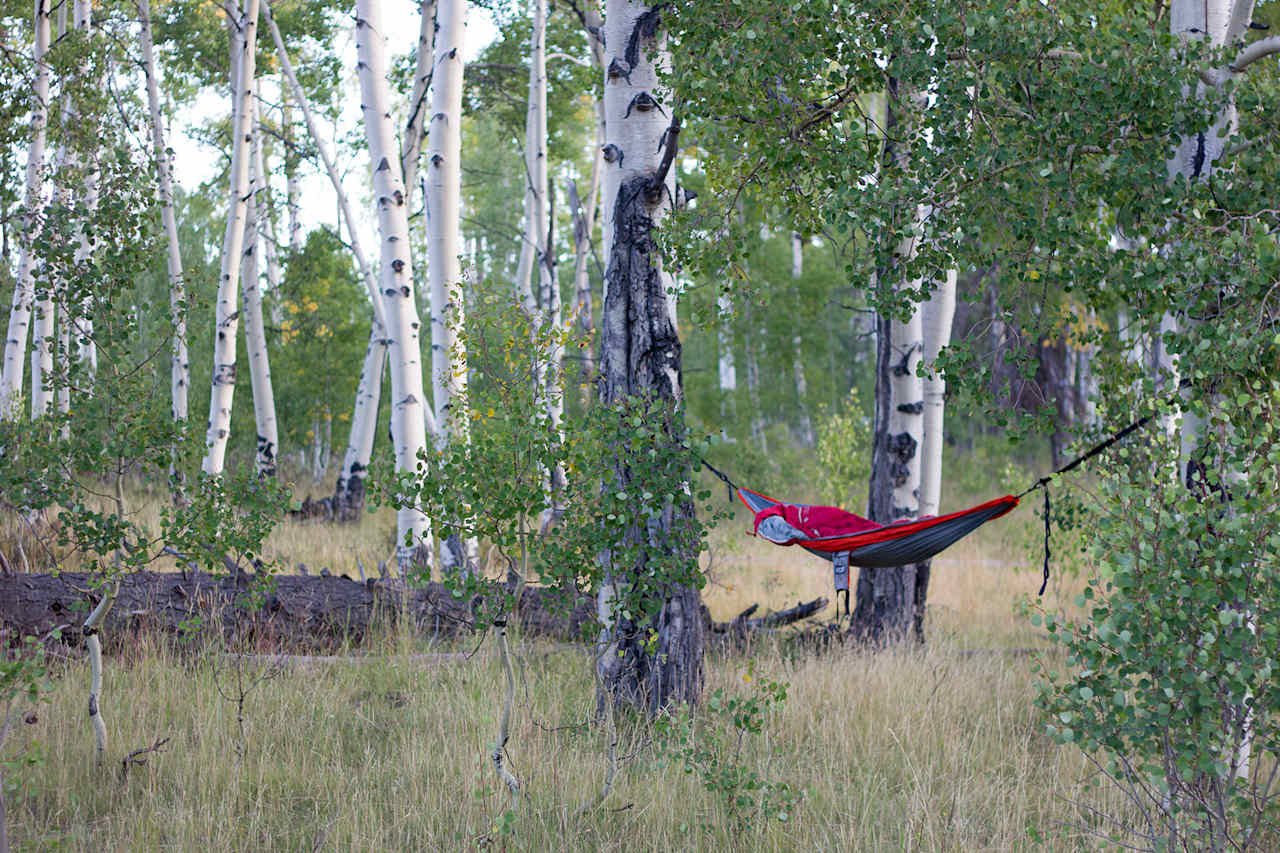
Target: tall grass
919, 749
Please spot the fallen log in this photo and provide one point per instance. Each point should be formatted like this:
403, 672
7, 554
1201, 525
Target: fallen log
305, 613
297, 612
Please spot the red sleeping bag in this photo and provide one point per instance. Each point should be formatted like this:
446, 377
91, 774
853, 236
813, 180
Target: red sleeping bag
817, 521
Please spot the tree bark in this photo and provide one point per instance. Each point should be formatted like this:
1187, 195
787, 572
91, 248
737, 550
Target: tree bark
15, 345
415, 130
409, 409
640, 352
179, 366
444, 190
797, 360
885, 598
533, 248
264, 404
227, 315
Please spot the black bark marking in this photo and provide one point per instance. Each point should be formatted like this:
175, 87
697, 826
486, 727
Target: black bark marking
1197, 162
646, 28
912, 408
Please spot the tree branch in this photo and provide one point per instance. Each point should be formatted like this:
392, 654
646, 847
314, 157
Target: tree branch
671, 139
1251, 53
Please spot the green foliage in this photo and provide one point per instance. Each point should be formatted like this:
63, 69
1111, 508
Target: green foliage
712, 747
320, 340
844, 461
1173, 672
72, 465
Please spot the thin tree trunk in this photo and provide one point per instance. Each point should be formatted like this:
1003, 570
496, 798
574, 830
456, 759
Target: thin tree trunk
797, 359
409, 409
583, 221
640, 353
727, 369
444, 189
227, 315
82, 20
415, 130
264, 405
349, 492
15, 345
292, 189
179, 365
533, 248
758, 434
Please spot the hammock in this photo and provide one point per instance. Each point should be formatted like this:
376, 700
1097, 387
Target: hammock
851, 540
827, 531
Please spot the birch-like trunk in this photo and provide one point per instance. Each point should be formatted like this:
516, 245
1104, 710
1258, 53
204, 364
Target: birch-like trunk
15, 344
264, 405
886, 598
349, 490
415, 130
726, 367
82, 20
179, 365
226, 309
640, 350
292, 187
752, 348
797, 358
1220, 23
533, 248
937, 314
444, 190
583, 224
408, 408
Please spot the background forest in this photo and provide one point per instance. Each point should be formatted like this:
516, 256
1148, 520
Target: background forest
344, 340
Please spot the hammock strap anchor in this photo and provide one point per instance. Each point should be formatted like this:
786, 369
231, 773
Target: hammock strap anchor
723, 477
1043, 482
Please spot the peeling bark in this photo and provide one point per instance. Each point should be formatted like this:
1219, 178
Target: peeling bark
641, 355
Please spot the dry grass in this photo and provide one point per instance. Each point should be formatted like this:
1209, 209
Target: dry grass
935, 749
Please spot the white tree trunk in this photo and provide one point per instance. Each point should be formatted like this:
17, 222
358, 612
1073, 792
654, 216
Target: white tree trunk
179, 367
415, 130
349, 491
226, 316
444, 189
264, 405
936, 316
408, 409
533, 248
292, 187
82, 20
15, 345
797, 358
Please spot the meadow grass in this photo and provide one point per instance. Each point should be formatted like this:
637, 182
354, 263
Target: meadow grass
935, 748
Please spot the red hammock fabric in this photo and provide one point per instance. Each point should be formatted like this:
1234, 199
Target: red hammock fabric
830, 530
817, 521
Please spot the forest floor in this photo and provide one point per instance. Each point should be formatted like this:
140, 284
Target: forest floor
934, 748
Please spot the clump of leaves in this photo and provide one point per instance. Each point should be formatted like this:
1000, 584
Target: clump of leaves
712, 745
1171, 685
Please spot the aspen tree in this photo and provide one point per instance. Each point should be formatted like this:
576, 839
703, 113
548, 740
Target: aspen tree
408, 404
15, 344
444, 189
227, 314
